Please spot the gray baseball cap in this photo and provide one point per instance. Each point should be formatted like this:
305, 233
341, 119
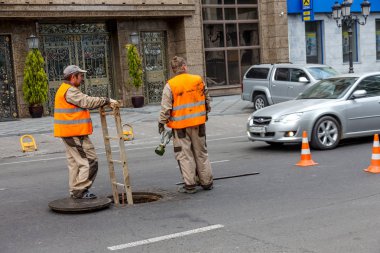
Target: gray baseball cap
72, 69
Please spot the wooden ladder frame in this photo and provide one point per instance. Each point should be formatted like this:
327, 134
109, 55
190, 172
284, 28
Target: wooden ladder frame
123, 155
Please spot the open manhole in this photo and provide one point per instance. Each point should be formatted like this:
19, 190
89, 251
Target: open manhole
138, 197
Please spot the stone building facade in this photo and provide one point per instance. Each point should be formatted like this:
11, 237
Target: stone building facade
274, 31
93, 35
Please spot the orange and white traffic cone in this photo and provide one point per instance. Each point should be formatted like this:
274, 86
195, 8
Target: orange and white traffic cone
375, 160
305, 153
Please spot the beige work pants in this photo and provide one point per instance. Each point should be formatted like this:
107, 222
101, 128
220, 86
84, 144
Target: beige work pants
191, 153
82, 163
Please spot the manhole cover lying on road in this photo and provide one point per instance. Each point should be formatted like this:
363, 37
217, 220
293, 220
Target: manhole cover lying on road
138, 197
70, 205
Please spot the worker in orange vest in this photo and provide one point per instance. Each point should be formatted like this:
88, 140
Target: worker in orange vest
184, 107
72, 122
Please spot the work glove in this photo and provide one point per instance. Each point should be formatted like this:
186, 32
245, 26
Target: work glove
114, 103
161, 128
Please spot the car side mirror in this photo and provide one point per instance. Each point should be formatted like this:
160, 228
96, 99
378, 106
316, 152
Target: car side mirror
359, 94
303, 79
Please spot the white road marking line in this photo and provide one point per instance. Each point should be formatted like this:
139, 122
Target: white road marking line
170, 144
226, 138
221, 161
29, 161
165, 237
128, 149
64, 157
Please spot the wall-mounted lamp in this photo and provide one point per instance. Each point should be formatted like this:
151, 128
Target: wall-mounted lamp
32, 42
134, 38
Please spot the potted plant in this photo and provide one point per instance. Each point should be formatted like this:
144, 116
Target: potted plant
35, 85
135, 73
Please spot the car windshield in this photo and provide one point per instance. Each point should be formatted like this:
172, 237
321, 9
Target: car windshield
328, 89
320, 73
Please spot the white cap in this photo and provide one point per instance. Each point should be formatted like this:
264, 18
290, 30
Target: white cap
72, 69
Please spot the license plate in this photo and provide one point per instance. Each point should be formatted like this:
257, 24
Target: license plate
257, 129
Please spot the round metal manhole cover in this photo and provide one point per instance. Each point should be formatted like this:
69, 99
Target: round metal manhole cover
138, 197
70, 205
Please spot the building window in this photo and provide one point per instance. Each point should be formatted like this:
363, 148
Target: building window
346, 45
215, 68
249, 34
313, 38
248, 57
377, 39
213, 14
231, 39
213, 35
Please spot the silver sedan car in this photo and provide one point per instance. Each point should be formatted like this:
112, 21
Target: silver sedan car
333, 109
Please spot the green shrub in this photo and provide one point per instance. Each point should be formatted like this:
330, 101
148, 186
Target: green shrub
35, 86
134, 66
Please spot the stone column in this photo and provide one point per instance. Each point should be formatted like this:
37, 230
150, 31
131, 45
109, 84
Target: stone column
274, 31
194, 41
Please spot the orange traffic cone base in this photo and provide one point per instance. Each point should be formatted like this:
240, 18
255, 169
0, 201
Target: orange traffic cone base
375, 160
373, 169
305, 153
304, 163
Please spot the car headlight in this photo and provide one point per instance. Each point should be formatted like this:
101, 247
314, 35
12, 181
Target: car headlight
293, 117
250, 120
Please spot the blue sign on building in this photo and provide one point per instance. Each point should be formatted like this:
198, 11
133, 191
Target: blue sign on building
307, 4
308, 15
307, 10
324, 6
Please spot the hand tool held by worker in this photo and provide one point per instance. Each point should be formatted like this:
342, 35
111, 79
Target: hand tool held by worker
165, 139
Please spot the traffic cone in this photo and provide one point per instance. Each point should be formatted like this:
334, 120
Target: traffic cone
305, 153
375, 160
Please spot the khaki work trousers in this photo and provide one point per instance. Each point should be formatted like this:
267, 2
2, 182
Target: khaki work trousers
191, 153
82, 163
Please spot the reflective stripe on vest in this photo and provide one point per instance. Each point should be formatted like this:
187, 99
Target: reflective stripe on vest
189, 105
59, 110
189, 102
70, 120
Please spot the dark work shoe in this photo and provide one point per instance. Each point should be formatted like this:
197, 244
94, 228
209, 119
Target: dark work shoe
208, 187
186, 190
86, 195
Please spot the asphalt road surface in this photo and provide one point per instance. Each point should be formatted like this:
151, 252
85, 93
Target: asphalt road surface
332, 207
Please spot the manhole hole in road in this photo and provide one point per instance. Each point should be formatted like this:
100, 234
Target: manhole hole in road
138, 197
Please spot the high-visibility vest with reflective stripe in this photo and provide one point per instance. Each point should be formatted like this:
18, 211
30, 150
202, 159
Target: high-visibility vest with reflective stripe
189, 101
70, 120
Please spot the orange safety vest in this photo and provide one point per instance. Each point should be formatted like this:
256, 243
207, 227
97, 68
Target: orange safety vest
70, 120
189, 101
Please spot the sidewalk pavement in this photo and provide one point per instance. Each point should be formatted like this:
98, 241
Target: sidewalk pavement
143, 120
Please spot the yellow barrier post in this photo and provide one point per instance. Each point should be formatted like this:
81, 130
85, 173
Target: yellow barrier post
28, 146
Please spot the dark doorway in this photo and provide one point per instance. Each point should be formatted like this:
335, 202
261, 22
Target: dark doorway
8, 102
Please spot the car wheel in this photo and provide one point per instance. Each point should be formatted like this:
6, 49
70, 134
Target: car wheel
326, 133
275, 144
260, 101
